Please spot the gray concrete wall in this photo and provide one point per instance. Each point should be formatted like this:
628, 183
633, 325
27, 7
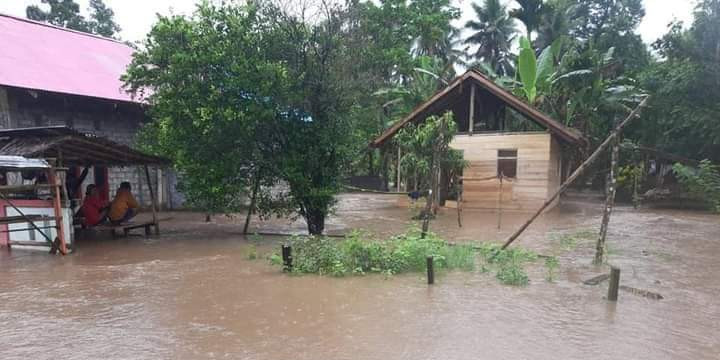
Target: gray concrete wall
21, 108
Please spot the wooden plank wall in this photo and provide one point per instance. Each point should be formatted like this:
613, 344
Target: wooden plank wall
536, 162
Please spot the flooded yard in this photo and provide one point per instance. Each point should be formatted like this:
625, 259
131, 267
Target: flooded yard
193, 293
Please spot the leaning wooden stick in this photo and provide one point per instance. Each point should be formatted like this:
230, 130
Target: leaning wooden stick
635, 113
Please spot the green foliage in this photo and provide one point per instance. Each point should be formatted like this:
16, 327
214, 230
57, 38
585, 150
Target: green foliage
508, 264
551, 264
252, 253
703, 182
570, 240
493, 32
418, 143
356, 254
66, 13
512, 274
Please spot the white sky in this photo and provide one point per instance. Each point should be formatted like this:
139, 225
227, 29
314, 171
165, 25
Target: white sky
137, 16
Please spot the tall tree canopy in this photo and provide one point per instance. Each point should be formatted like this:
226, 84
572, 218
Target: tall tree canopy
493, 32
66, 13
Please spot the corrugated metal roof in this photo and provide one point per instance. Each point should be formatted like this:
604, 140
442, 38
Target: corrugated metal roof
73, 147
19, 162
40, 56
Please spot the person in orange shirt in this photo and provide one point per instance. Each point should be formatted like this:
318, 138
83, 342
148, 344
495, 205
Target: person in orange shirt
124, 206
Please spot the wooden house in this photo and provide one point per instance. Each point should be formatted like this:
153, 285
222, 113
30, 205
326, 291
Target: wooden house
499, 134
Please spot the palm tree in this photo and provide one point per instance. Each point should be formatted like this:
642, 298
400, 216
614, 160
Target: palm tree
493, 32
554, 23
530, 14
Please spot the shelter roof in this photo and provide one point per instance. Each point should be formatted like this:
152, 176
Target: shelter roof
19, 162
443, 98
41, 56
73, 147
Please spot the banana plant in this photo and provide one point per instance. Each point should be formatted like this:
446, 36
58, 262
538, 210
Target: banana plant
536, 73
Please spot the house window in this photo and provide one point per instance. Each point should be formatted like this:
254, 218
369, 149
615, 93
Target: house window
507, 163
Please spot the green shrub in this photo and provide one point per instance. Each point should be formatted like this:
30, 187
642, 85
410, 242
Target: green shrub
512, 273
358, 254
703, 182
551, 263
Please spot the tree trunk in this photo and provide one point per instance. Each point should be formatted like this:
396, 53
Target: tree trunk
315, 221
609, 204
253, 200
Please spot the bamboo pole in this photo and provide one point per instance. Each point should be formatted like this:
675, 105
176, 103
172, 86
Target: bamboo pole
609, 205
153, 204
613, 135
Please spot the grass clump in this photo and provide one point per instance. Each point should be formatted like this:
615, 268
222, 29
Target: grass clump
359, 254
252, 252
551, 264
570, 240
508, 264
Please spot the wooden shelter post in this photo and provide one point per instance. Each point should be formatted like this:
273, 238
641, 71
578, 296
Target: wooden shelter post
153, 204
398, 167
57, 208
471, 113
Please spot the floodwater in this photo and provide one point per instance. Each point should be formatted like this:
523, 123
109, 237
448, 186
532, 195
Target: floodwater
194, 294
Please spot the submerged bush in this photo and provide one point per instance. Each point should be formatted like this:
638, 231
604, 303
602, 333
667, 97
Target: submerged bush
703, 182
358, 254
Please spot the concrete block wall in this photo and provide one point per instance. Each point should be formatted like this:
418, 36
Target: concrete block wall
18, 111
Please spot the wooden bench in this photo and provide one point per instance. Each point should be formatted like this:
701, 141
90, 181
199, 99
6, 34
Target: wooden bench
126, 227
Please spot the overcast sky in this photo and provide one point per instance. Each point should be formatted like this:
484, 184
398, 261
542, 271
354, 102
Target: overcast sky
137, 16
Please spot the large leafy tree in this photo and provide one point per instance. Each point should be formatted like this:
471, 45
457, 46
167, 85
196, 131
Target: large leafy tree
493, 32
685, 85
66, 13
212, 94
102, 19
253, 92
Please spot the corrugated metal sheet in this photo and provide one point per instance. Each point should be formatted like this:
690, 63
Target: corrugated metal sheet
19, 162
39, 56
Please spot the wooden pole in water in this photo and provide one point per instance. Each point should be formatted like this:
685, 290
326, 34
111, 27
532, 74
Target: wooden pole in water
430, 270
287, 258
609, 205
614, 284
635, 113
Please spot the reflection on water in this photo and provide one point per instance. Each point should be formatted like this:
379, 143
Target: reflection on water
193, 294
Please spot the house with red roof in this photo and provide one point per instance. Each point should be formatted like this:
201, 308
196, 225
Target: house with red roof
52, 76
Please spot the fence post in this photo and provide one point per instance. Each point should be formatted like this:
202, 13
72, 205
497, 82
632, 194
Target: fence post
430, 270
614, 284
287, 257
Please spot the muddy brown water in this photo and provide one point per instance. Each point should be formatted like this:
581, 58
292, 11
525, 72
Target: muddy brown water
194, 294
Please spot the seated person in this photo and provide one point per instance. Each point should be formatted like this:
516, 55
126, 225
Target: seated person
124, 206
93, 209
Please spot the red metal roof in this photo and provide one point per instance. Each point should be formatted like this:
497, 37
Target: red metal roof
38, 56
